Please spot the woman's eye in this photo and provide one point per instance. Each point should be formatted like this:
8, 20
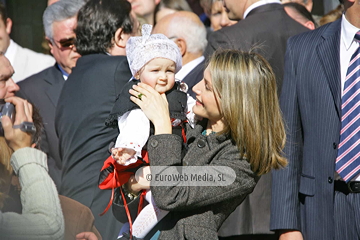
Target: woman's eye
216, 14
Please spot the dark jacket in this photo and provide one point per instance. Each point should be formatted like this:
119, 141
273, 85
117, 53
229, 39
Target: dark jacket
85, 102
43, 90
197, 212
303, 192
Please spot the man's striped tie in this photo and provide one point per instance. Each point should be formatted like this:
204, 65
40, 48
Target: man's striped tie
348, 159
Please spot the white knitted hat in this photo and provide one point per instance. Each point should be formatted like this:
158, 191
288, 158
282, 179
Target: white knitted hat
140, 50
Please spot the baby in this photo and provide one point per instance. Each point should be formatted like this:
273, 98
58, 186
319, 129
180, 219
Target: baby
154, 60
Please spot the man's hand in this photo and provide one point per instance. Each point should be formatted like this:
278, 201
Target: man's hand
16, 138
290, 235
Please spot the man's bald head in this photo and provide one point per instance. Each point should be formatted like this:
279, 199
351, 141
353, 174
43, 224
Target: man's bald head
184, 26
176, 18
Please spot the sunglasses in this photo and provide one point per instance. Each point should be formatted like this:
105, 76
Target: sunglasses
65, 43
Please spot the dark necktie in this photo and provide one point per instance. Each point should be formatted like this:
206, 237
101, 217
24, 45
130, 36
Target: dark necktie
348, 159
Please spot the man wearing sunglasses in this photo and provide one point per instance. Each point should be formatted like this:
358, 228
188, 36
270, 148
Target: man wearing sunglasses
43, 89
25, 61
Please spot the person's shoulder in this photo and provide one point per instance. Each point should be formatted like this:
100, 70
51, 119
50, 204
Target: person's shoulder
242, 24
35, 56
100, 60
314, 36
112, 59
40, 76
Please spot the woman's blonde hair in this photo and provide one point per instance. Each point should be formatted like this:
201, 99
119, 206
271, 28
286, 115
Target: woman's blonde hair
245, 84
5, 170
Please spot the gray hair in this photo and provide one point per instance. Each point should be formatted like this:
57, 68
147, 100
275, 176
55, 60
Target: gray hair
192, 32
59, 11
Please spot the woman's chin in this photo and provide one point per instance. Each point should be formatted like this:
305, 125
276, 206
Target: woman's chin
198, 113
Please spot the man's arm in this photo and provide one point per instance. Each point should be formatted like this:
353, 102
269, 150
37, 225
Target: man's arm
285, 208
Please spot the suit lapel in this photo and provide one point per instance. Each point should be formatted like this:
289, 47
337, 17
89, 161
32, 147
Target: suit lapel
329, 53
55, 81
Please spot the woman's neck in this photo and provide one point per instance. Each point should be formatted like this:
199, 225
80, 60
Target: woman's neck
216, 126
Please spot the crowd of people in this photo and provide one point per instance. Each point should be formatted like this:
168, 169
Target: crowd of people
264, 92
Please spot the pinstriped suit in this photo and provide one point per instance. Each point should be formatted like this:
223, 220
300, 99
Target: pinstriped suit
303, 193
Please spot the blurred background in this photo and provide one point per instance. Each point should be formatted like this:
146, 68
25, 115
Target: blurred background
28, 31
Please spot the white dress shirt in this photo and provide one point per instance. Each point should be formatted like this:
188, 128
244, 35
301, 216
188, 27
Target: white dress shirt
187, 68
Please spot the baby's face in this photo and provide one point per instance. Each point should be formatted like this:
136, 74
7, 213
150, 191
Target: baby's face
159, 73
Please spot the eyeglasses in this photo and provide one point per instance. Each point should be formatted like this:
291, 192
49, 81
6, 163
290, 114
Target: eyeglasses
65, 43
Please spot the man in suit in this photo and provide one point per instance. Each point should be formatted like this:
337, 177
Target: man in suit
87, 99
25, 61
189, 33
265, 25
312, 198
43, 89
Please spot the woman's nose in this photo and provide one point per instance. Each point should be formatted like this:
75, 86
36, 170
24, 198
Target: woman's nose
225, 21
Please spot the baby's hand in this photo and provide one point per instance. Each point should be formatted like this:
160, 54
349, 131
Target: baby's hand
121, 155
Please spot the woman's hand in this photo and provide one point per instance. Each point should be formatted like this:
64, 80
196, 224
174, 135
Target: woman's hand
16, 138
134, 187
86, 236
154, 105
290, 235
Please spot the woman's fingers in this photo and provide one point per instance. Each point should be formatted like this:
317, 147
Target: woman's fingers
86, 236
28, 111
154, 105
145, 88
15, 137
23, 109
20, 115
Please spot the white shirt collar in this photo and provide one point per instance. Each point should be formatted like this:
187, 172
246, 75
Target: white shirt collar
180, 75
348, 32
258, 4
11, 52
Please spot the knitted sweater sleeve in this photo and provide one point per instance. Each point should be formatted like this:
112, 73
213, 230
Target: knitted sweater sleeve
42, 216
